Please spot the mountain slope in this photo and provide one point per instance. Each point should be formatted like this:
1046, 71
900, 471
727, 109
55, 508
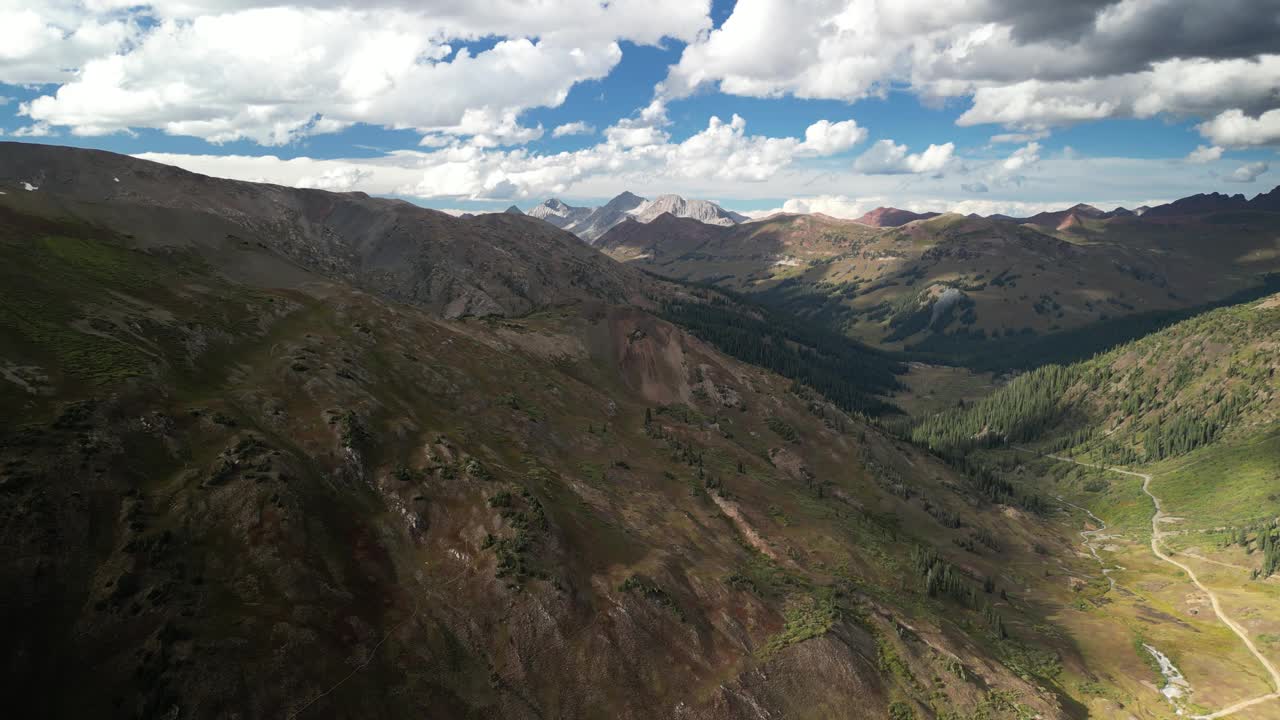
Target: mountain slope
232, 450
1164, 395
492, 264
1002, 282
701, 210
1168, 448
591, 223
892, 217
558, 213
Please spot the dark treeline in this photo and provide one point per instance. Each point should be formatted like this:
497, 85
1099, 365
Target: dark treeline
1270, 553
1151, 399
993, 488
1261, 537
942, 580
1019, 412
847, 372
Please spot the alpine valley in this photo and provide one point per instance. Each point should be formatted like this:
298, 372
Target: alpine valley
280, 452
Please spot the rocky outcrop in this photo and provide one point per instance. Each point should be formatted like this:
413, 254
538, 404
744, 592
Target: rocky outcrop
703, 211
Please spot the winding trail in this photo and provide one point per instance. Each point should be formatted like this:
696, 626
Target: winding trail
1156, 535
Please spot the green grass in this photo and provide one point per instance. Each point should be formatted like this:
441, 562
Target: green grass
807, 617
48, 291
1228, 483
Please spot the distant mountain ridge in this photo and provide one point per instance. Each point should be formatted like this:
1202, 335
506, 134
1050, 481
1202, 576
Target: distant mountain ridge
892, 217
591, 223
972, 287
701, 210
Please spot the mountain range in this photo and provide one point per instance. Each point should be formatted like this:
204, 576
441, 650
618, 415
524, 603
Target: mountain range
589, 223
1005, 283
277, 452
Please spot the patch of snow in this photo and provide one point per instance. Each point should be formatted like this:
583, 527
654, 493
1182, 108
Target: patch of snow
29, 187
787, 262
116, 179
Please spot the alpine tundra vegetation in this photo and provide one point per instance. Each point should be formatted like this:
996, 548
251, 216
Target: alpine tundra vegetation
711, 360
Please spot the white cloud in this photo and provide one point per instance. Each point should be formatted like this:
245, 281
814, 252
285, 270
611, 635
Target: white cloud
851, 208
827, 138
726, 161
1236, 129
1179, 87
975, 187
485, 128
338, 179
1019, 137
1028, 65
1248, 172
837, 206
271, 73
1204, 154
723, 152
1022, 158
887, 158
834, 205
35, 130
45, 42
573, 128
641, 131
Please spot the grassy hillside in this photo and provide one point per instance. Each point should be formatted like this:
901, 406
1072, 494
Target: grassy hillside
1203, 379
847, 372
989, 294
1168, 443
252, 433
208, 482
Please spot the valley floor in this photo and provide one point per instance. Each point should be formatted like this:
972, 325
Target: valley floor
1170, 586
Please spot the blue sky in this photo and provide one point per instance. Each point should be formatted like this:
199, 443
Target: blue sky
914, 105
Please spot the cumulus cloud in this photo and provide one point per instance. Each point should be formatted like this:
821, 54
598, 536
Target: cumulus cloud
975, 187
851, 208
1236, 129
644, 130
1022, 158
837, 206
1178, 86
573, 128
45, 42
484, 128
338, 179
1248, 172
888, 158
834, 205
722, 152
272, 73
1204, 154
827, 138
1027, 65
38, 130
449, 175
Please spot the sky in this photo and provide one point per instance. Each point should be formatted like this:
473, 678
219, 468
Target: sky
835, 106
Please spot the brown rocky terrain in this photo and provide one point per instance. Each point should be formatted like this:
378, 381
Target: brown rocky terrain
280, 453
